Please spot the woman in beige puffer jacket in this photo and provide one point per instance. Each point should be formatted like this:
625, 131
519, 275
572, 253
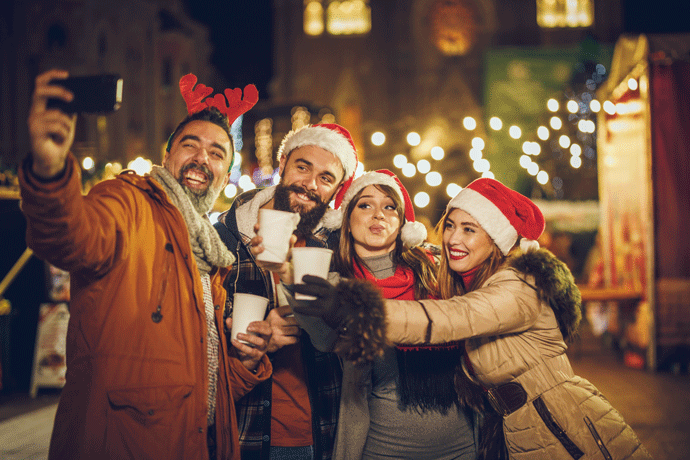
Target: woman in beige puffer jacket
515, 307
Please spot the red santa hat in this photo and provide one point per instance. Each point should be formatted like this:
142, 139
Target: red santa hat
412, 233
328, 136
503, 213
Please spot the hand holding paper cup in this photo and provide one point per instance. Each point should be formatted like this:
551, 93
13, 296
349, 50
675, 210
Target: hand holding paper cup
276, 227
246, 308
310, 261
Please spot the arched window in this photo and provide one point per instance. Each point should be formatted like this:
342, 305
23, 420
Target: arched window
337, 17
565, 13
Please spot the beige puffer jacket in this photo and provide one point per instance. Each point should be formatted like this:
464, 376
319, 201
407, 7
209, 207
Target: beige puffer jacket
513, 335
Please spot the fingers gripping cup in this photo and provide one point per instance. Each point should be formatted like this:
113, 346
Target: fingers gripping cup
246, 308
310, 261
276, 227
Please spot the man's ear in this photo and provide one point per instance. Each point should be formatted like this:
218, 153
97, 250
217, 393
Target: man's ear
335, 193
281, 165
225, 182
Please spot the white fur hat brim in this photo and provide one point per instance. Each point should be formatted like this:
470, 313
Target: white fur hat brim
324, 138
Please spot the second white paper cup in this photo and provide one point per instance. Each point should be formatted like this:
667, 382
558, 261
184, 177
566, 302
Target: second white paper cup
310, 261
276, 227
246, 308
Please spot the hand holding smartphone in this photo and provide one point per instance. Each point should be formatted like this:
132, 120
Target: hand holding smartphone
92, 94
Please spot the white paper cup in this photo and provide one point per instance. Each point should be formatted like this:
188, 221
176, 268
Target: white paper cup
276, 227
310, 261
246, 308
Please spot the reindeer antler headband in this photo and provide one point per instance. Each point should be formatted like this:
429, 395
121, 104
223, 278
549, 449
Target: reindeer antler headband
197, 101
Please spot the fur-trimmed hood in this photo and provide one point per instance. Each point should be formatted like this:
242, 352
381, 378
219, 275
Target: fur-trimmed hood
555, 285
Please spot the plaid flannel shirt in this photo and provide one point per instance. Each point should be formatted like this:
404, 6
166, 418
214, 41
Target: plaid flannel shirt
323, 370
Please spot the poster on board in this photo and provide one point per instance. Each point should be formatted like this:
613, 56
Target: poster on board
50, 364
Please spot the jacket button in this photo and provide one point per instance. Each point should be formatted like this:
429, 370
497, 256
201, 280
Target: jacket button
266, 438
201, 430
266, 403
217, 307
151, 412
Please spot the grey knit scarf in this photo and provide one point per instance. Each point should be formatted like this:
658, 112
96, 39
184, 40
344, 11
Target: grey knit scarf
209, 251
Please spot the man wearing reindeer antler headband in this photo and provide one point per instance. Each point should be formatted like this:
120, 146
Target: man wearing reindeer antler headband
149, 373
293, 414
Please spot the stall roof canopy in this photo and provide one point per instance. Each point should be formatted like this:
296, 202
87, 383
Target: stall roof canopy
632, 51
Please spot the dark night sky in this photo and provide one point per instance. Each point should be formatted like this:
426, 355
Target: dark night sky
241, 33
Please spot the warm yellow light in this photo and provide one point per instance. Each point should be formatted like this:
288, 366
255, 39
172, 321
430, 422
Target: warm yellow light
572, 106
525, 161
313, 18
414, 139
565, 13
348, 17
594, 105
609, 107
542, 177
399, 160
434, 179
495, 123
422, 200
230, 190
478, 143
378, 138
533, 169
246, 183
515, 132
437, 153
564, 141
531, 148
423, 166
409, 170
552, 105
475, 154
87, 163
555, 123
481, 165
543, 133
140, 165
488, 174
575, 162
469, 123
576, 150
453, 189
632, 84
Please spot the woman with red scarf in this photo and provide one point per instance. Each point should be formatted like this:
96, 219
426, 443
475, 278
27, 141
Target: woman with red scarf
404, 403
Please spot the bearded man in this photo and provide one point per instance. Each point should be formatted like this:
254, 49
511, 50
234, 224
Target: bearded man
149, 372
294, 413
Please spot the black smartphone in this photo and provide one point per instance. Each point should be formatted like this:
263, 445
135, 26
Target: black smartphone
92, 94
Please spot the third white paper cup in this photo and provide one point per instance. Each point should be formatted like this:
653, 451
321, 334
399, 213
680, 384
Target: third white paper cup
246, 308
276, 227
310, 261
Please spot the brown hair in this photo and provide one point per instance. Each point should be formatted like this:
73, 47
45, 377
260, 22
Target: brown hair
414, 258
450, 283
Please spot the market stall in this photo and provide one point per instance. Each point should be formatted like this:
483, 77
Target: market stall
644, 191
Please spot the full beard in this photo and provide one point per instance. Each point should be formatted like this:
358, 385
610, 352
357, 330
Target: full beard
309, 219
202, 200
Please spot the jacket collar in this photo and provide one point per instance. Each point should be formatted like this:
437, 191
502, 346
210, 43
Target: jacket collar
554, 283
